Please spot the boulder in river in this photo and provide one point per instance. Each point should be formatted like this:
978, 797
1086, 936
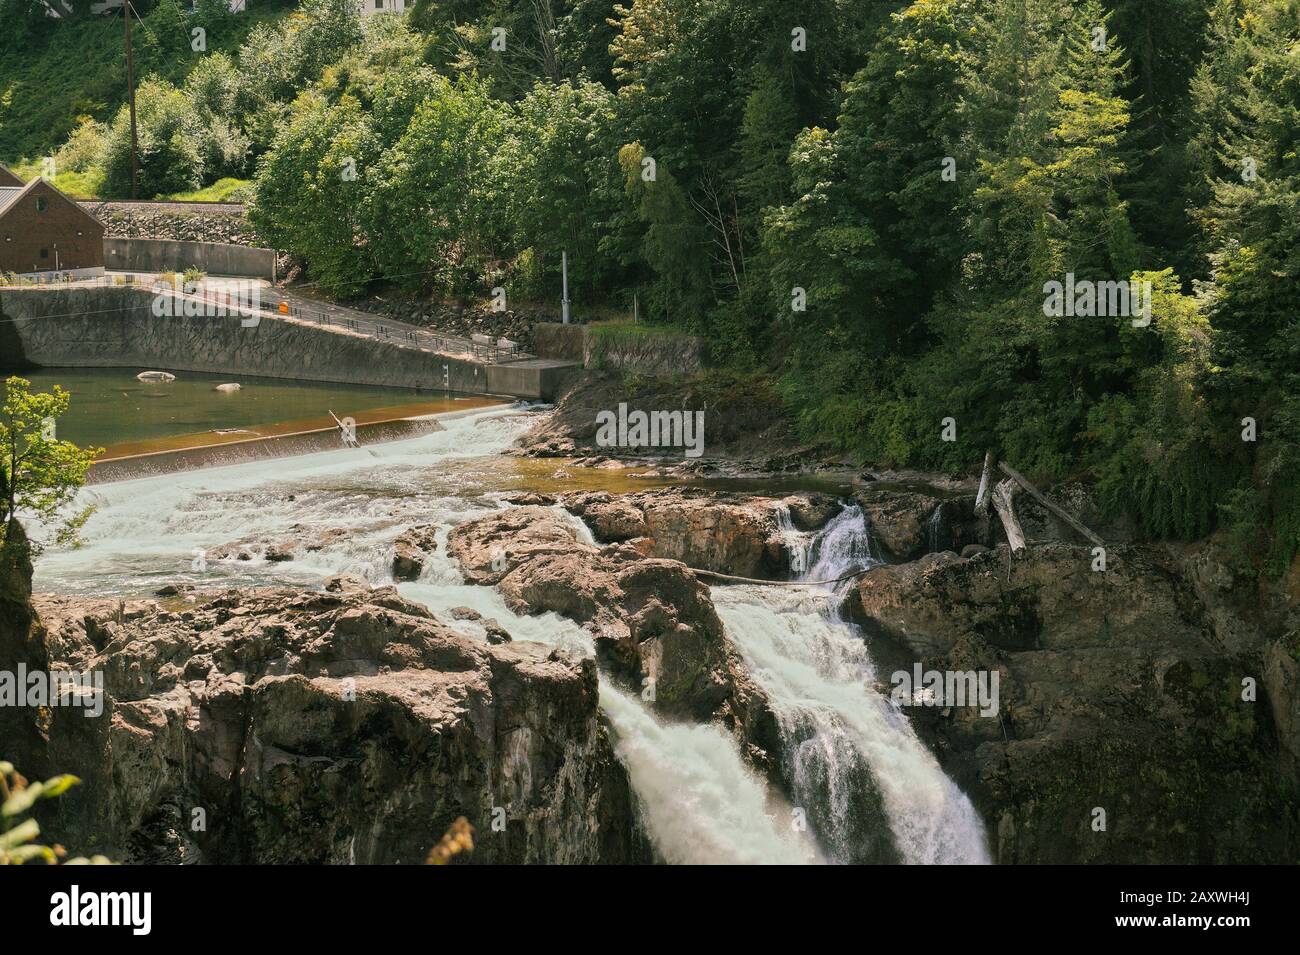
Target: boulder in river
726, 533
411, 550
227, 389
652, 620
155, 376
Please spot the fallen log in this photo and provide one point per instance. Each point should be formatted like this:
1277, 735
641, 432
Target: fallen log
1056, 509
1002, 503
982, 498
698, 572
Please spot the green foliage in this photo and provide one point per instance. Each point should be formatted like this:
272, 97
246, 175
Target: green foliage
18, 834
55, 74
557, 178
868, 220
168, 136
39, 474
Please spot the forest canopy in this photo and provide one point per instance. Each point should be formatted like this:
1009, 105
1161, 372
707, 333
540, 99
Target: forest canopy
865, 202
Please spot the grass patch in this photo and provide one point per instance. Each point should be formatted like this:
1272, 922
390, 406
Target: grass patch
79, 185
223, 190
620, 328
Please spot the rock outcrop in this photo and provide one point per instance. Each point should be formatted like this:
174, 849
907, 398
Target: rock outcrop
652, 622
22, 642
411, 551
746, 422
910, 520
729, 534
310, 727
1116, 698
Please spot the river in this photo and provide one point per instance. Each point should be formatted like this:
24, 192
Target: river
864, 787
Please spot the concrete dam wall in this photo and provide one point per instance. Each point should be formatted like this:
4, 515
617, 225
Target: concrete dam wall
108, 326
161, 255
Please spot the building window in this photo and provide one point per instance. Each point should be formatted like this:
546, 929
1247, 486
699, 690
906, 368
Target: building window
41, 203
379, 4
45, 253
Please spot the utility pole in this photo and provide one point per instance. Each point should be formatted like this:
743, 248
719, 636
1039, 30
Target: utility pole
130, 92
564, 271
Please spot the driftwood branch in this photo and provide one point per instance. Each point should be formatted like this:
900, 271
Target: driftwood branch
700, 572
1002, 503
1056, 509
982, 499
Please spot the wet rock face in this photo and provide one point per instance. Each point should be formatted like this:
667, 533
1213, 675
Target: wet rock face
411, 550
746, 424
1114, 694
291, 727
711, 531
899, 521
21, 642
910, 521
651, 620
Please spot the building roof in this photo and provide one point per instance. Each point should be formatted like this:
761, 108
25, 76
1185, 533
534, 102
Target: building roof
9, 196
8, 177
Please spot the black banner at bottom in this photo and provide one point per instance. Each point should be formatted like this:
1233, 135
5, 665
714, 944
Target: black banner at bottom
140, 905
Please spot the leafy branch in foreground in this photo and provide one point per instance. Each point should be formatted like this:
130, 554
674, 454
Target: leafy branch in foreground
18, 835
458, 838
39, 473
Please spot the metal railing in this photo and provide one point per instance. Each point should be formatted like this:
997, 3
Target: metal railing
388, 329
66, 279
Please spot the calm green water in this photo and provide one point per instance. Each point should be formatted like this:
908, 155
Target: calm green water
109, 406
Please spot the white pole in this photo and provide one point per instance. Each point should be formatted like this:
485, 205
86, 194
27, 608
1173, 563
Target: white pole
564, 270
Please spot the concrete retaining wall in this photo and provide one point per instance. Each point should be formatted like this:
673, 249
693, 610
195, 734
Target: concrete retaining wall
554, 340
111, 327
645, 351
173, 255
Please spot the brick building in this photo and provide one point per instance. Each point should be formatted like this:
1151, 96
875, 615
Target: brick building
43, 230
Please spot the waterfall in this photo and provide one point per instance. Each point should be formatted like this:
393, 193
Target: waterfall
699, 798
700, 801
935, 535
797, 543
870, 788
865, 784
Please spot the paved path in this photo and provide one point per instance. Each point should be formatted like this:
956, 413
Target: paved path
378, 326
279, 304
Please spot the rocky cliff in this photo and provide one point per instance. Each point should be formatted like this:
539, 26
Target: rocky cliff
320, 727
1120, 705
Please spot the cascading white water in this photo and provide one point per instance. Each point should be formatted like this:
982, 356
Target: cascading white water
798, 544
340, 512
853, 760
700, 801
935, 531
